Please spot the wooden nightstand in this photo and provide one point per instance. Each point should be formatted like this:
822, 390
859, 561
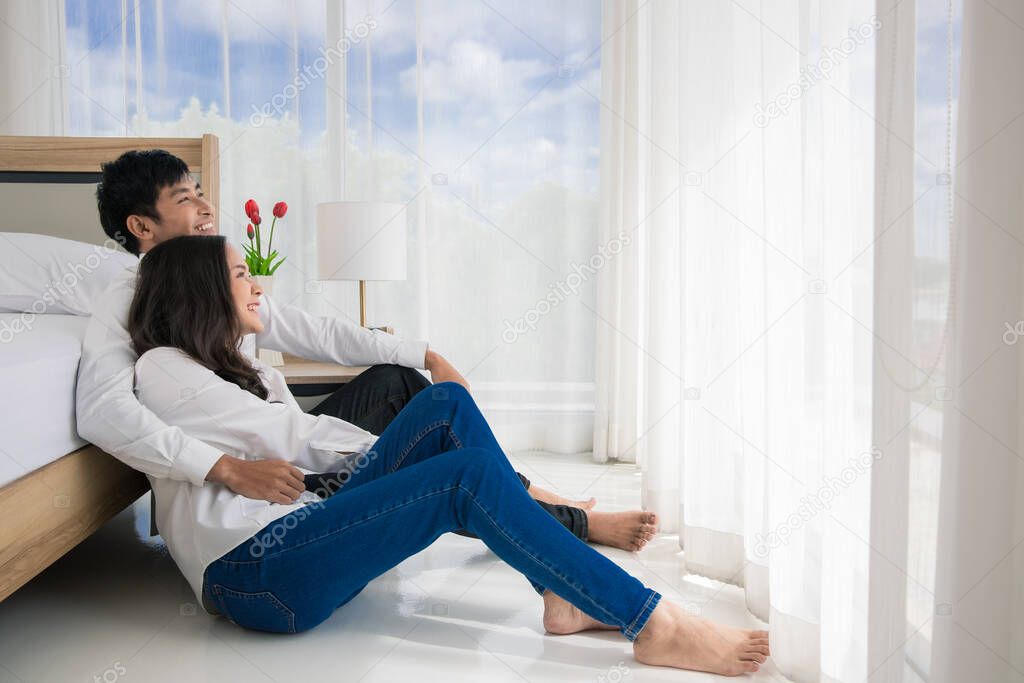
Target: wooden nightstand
312, 378
301, 371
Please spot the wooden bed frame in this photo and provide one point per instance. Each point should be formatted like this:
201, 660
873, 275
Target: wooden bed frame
49, 511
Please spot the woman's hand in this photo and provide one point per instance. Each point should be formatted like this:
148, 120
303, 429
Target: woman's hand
442, 371
277, 481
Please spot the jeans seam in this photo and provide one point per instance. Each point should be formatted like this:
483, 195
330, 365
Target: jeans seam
454, 437
220, 590
415, 442
631, 632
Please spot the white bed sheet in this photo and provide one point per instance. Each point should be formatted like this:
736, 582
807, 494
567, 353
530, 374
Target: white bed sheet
38, 366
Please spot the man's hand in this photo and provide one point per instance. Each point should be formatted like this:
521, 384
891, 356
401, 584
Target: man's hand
277, 481
442, 371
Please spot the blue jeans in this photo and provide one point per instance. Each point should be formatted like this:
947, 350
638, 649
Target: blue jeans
436, 468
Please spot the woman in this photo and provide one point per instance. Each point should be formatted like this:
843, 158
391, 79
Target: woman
436, 468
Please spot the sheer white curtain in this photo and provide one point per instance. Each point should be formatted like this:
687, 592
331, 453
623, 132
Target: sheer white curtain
33, 100
482, 119
790, 344
753, 367
979, 581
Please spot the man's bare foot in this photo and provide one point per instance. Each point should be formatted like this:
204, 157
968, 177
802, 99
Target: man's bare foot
562, 617
674, 638
626, 530
545, 496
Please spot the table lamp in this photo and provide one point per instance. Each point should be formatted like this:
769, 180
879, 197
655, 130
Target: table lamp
360, 241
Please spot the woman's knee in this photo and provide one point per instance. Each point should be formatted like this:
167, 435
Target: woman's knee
448, 391
444, 397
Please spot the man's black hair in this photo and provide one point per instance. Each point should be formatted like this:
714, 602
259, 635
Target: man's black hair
131, 185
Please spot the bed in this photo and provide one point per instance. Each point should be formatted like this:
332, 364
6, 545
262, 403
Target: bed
56, 489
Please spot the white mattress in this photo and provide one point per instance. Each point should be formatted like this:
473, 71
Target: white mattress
38, 365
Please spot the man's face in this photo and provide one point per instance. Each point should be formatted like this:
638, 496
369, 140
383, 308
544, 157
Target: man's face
183, 210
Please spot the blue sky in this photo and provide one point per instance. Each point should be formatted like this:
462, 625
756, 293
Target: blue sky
481, 68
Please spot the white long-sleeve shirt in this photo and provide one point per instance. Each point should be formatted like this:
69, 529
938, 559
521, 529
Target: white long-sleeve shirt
202, 523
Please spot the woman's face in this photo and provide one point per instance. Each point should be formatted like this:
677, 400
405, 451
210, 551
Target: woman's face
244, 292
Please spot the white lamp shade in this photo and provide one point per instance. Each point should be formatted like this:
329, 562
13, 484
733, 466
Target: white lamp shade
360, 241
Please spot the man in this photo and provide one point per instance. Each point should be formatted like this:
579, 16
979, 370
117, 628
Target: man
147, 197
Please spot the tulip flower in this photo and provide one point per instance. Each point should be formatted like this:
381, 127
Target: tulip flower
280, 209
258, 262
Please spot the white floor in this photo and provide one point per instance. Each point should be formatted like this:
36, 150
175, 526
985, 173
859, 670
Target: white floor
116, 608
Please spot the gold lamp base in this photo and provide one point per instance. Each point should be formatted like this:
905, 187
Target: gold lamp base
362, 310
362, 303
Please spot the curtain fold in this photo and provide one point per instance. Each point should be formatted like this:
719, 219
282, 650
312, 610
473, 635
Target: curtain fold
617, 353
979, 586
35, 68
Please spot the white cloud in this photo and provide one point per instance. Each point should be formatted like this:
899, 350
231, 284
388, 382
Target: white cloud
475, 74
578, 90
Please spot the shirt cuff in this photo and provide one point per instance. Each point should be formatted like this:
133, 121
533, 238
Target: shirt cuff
412, 354
194, 462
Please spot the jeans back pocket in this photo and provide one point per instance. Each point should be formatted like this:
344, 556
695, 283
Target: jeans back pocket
260, 611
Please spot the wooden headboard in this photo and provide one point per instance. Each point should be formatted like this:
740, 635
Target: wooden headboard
48, 183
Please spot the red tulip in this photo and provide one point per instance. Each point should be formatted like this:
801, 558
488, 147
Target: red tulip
250, 231
251, 207
280, 209
256, 220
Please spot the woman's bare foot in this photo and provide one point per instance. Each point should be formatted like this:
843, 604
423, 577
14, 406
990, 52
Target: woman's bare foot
545, 496
562, 617
674, 638
626, 530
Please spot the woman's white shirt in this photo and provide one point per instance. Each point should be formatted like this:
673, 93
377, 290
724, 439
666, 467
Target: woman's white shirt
202, 523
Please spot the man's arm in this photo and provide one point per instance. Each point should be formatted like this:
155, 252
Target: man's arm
443, 371
333, 340
329, 339
108, 413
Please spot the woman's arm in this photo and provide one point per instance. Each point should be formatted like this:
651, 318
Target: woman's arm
182, 392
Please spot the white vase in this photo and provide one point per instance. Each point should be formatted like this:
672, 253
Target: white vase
268, 356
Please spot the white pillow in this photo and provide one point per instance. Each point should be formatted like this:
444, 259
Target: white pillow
44, 274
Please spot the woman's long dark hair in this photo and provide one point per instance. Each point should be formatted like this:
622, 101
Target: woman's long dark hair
183, 300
